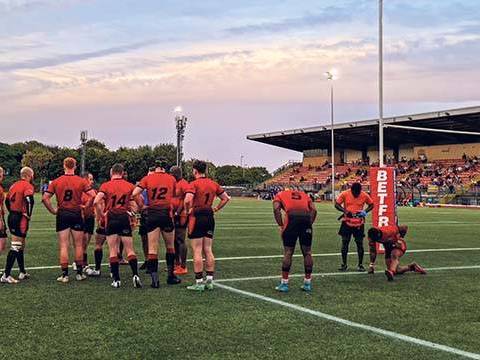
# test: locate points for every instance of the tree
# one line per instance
(38, 159)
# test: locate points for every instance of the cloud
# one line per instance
(329, 15)
(70, 58)
(15, 5)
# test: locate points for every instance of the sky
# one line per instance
(118, 68)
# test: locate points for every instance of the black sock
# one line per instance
(134, 266)
(98, 259)
(152, 265)
(345, 243)
(170, 257)
(199, 275)
(85, 259)
(79, 268)
(21, 261)
(210, 273)
(12, 255)
(114, 268)
(65, 271)
(360, 251)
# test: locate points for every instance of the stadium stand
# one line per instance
(430, 163)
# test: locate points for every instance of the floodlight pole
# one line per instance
(242, 166)
(380, 82)
(330, 78)
(333, 141)
(181, 124)
(83, 139)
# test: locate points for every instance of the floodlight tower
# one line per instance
(83, 140)
(380, 82)
(331, 76)
(242, 165)
(181, 124)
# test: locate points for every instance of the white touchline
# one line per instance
(379, 331)
(338, 274)
(337, 254)
(280, 256)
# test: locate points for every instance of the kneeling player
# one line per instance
(117, 196)
(300, 215)
(392, 239)
(19, 203)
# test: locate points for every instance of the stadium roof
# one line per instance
(363, 134)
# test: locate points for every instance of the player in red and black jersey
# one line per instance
(161, 188)
(300, 214)
(392, 239)
(100, 238)
(3, 225)
(142, 229)
(19, 202)
(199, 200)
(68, 190)
(180, 219)
(88, 213)
(115, 199)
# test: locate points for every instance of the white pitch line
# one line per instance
(259, 257)
(336, 254)
(258, 225)
(337, 274)
(378, 331)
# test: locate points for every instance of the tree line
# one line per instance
(47, 160)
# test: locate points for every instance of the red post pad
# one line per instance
(383, 193)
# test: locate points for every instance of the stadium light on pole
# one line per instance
(331, 76)
(380, 83)
(181, 124)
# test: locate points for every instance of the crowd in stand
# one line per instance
(446, 175)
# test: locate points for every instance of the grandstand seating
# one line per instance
(440, 173)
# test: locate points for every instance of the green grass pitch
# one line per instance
(42, 319)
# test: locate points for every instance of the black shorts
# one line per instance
(89, 225)
(201, 224)
(358, 232)
(118, 224)
(181, 221)
(3, 232)
(142, 229)
(159, 218)
(101, 231)
(17, 224)
(69, 219)
(297, 227)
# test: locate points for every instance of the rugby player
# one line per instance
(19, 202)
(114, 199)
(180, 220)
(88, 213)
(392, 239)
(201, 224)
(68, 190)
(142, 229)
(300, 214)
(3, 225)
(161, 188)
(100, 238)
(352, 204)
